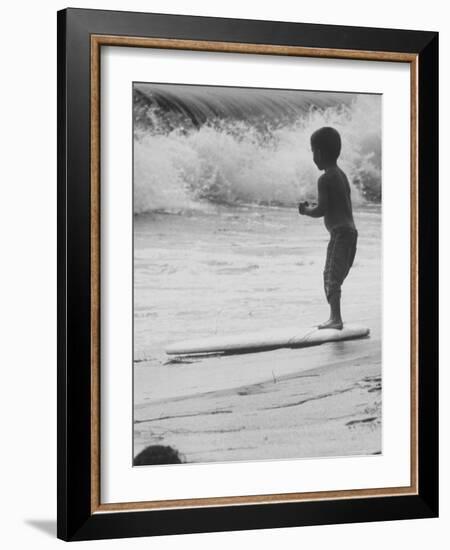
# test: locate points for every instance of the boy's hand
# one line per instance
(302, 207)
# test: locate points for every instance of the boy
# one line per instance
(335, 205)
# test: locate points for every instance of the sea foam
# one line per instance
(260, 154)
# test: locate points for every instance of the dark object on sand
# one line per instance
(157, 454)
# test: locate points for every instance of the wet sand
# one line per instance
(246, 269)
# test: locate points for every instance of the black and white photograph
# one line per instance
(257, 274)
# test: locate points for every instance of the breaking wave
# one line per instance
(194, 145)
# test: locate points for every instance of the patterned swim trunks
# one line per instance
(341, 252)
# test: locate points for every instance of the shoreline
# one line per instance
(329, 410)
(247, 270)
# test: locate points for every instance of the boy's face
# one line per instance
(317, 157)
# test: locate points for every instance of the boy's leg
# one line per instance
(332, 283)
(340, 255)
(335, 320)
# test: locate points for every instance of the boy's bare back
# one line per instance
(336, 188)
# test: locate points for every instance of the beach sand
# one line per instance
(229, 270)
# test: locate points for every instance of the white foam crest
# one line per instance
(236, 162)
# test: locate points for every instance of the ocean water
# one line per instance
(200, 146)
(240, 269)
(219, 245)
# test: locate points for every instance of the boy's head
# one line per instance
(326, 146)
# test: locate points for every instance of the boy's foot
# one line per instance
(332, 323)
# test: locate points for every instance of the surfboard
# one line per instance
(289, 337)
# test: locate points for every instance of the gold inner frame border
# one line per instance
(97, 41)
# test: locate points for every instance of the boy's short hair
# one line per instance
(328, 141)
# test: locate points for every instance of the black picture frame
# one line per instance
(77, 520)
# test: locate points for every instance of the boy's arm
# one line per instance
(321, 208)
